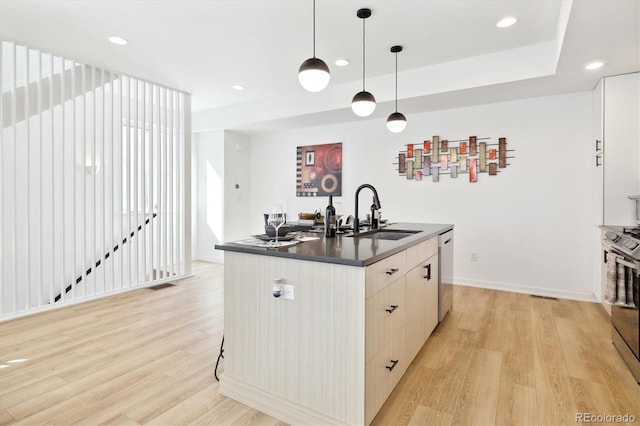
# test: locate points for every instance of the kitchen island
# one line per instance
(333, 347)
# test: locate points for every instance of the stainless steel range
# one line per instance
(622, 246)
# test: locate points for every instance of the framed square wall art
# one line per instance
(319, 170)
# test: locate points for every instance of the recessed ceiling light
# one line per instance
(118, 40)
(594, 65)
(238, 87)
(342, 62)
(506, 22)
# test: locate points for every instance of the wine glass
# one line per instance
(276, 218)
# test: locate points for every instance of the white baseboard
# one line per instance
(537, 291)
(273, 405)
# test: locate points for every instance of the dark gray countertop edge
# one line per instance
(401, 245)
(274, 252)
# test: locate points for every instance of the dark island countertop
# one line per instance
(345, 249)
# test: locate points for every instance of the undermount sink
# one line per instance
(386, 234)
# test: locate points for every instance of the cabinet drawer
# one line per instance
(422, 251)
(384, 372)
(385, 314)
(382, 273)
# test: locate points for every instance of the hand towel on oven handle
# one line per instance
(620, 283)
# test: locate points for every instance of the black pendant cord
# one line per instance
(396, 81)
(314, 28)
(221, 355)
(363, 55)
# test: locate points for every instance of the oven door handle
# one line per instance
(628, 264)
(622, 258)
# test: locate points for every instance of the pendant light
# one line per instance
(363, 103)
(396, 121)
(314, 74)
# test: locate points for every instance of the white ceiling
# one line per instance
(453, 53)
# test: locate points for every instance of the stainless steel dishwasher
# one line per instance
(445, 260)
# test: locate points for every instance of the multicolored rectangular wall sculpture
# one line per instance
(437, 157)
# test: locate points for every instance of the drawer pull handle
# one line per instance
(392, 271)
(428, 268)
(394, 362)
(392, 308)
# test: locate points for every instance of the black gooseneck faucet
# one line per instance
(356, 221)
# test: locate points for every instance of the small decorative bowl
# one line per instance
(271, 231)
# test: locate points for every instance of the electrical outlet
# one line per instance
(474, 256)
(288, 292)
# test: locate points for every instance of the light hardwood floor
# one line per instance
(147, 357)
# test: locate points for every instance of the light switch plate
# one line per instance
(288, 292)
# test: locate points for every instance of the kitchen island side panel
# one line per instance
(310, 350)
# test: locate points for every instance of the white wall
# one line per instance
(220, 161)
(530, 225)
(237, 156)
(208, 190)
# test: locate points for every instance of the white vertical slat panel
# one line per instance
(143, 238)
(83, 160)
(187, 182)
(27, 140)
(112, 243)
(74, 111)
(161, 188)
(152, 141)
(166, 184)
(104, 247)
(158, 186)
(129, 165)
(14, 110)
(158, 161)
(136, 189)
(41, 183)
(51, 184)
(179, 186)
(160, 191)
(63, 197)
(89, 289)
(116, 80)
(2, 180)
(171, 182)
(96, 185)
(119, 212)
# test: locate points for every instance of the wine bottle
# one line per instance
(330, 219)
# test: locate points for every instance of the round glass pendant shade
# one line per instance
(396, 122)
(363, 104)
(314, 75)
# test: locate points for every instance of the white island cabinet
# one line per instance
(334, 353)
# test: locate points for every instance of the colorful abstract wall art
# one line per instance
(319, 170)
(434, 158)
